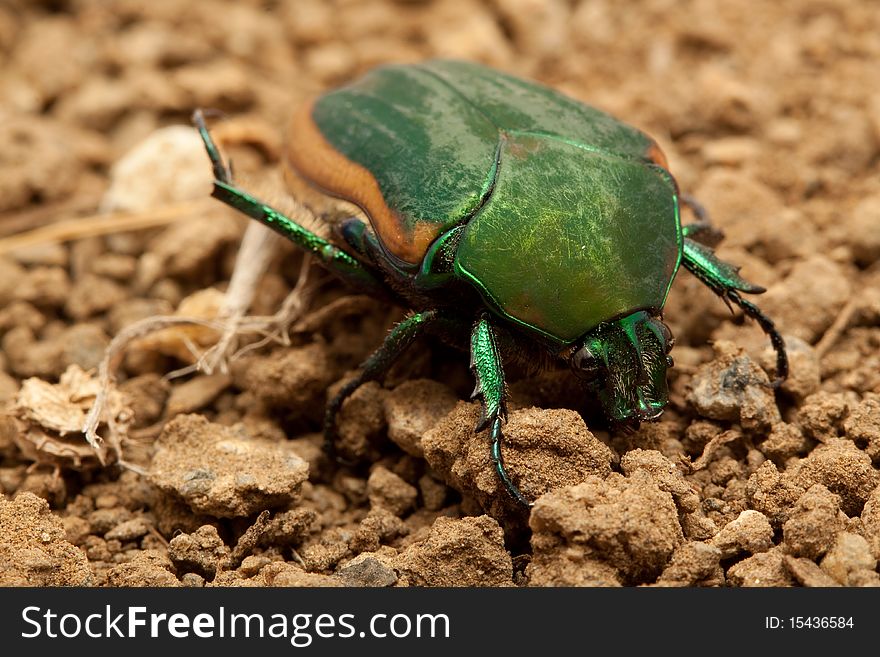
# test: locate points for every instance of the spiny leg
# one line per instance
(769, 328)
(332, 257)
(375, 368)
(489, 373)
(725, 281)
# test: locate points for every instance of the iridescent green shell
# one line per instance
(570, 216)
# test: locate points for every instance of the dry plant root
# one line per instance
(230, 324)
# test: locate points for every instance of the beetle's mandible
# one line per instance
(506, 216)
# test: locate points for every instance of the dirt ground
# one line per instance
(769, 113)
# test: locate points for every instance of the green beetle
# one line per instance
(506, 215)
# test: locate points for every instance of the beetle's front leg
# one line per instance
(725, 281)
(492, 391)
(375, 367)
(343, 264)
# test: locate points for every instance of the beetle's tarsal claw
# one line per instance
(482, 422)
(772, 332)
(729, 305)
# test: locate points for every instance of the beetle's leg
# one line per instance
(725, 281)
(492, 391)
(332, 257)
(699, 210)
(375, 368)
(222, 171)
(703, 231)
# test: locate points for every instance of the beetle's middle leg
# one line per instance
(724, 279)
(489, 373)
(331, 256)
(376, 366)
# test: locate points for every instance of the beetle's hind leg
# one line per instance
(725, 281)
(375, 368)
(492, 391)
(341, 263)
(703, 230)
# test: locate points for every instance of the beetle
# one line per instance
(504, 214)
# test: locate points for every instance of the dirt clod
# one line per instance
(34, 550)
(784, 441)
(850, 562)
(862, 426)
(388, 491)
(842, 468)
(367, 570)
(465, 552)
(762, 569)
(295, 378)
(795, 307)
(772, 493)
(147, 568)
(693, 564)
(286, 574)
(808, 573)
(412, 408)
(628, 522)
(570, 569)
(750, 532)
(665, 475)
(288, 527)
(220, 472)
(542, 450)
(379, 527)
(196, 393)
(361, 422)
(814, 522)
(129, 530)
(734, 388)
(92, 295)
(821, 415)
(164, 168)
(202, 552)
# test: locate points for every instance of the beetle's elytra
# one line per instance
(508, 217)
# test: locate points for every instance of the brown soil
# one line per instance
(769, 114)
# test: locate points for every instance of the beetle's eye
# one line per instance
(670, 362)
(585, 363)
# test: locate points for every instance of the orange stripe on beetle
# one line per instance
(315, 159)
(657, 156)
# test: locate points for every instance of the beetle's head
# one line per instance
(625, 361)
